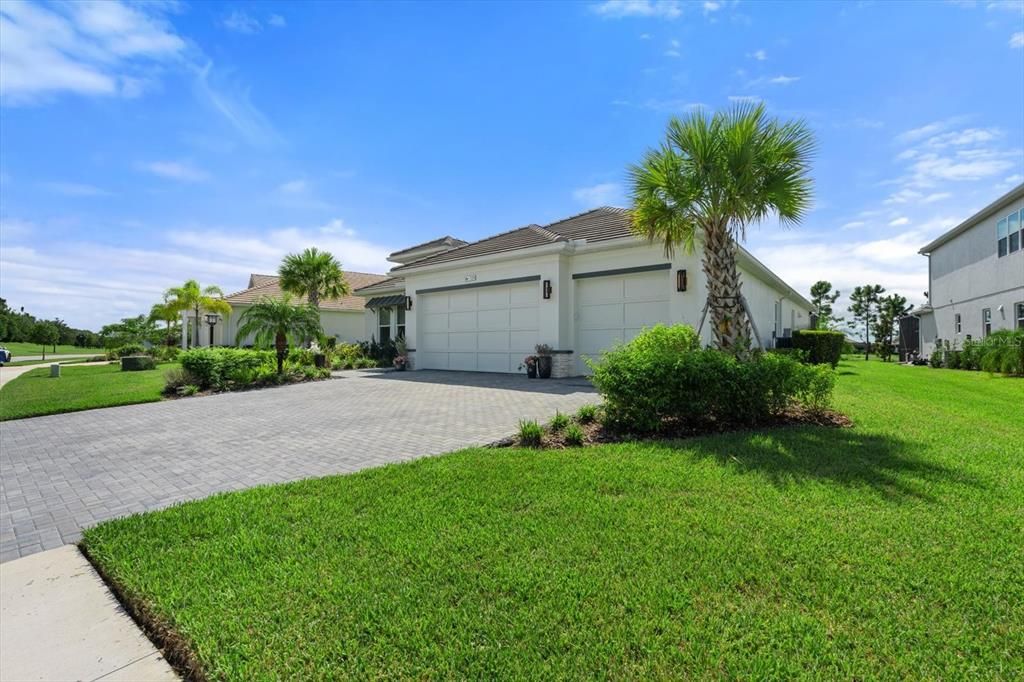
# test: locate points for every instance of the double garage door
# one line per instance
(483, 329)
(492, 328)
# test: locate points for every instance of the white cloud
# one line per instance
(241, 22)
(598, 195)
(759, 55)
(277, 21)
(617, 9)
(1017, 40)
(852, 225)
(899, 222)
(673, 49)
(175, 170)
(747, 99)
(232, 102)
(293, 187)
(927, 130)
(710, 6)
(75, 189)
(92, 284)
(776, 80)
(968, 136)
(84, 48)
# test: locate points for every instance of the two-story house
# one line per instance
(976, 276)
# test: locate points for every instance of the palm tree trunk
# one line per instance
(197, 326)
(729, 322)
(281, 342)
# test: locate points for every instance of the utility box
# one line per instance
(55, 370)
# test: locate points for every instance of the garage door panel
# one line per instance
(644, 314)
(432, 360)
(493, 341)
(462, 322)
(522, 341)
(598, 289)
(462, 341)
(435, 322)
(521, 295)
(492, 297)
(430, 305)
(492, 362)
(462, 361)
(523, 319)
(435, 341)
(600, 316)
(596, 340)
(647, 286)
(493, 319)
(462, 300)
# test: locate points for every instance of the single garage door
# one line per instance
(613, 309)
(483, 329)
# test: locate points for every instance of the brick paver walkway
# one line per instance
(61, 473)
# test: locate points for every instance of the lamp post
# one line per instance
(212, 319)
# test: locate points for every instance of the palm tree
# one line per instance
(712, 178)
(314, 274)
(191, 296)
(276, 320)
(165, 312)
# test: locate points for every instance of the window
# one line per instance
(400, 323)
(956, 320)
(1013, 225)
(1001, 237)
(384, 324)
(986, 322)
(1010, 233)
(1019, 307)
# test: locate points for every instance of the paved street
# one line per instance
(62, 473)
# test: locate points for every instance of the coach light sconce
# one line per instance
(547, 288)
(680, 280)
(408, 302)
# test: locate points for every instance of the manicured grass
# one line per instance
(20, 348)
(35, 393)
(888, 550)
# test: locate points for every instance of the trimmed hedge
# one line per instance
(822, 346)
(137, 363)
(656, 380)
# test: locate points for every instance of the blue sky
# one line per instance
(142, 144)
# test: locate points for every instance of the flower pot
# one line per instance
(531, 371)
(544, 366)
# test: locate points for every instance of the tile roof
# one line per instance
(383, 285)
(447, 240)
(269, 285)
(598, 224)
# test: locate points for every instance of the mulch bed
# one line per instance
(596, 433)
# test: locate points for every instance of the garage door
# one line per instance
(613, 309)
(483, 329)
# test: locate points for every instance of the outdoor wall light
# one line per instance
(546, 288)
(408, 302)
(680, 280)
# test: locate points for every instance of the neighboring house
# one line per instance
(343, 318)
(975, 276)
(579, 285)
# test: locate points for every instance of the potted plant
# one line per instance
(543, 360)
(530, 365)
(401, 361)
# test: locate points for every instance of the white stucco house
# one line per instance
(343, 318)
(579, 285)
(975, 276)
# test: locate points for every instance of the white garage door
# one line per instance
(614, 309)
(484, 329)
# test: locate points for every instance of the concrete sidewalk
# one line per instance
(58, 621)
(8, 373)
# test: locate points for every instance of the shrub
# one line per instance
(299, 357)
(559, 421)
(573, 435)
(127, 349)
(649, 382)
(215, 367)
(189, 389)
(137, 363)
(165, 353)
(953, 359)
(821, 346)
(530, 433)
(586, 414)
(1003, 352)
(177, 377)
(935, 359)
(970, 356)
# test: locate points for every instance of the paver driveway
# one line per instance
(62, 473)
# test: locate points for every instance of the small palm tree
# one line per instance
(191, 296)
(712, 178)
(275, 321)
(314, 274)
(165, 312)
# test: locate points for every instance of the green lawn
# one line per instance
(48, 361)
(19, 348)
(889, 550)
(79, 388)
